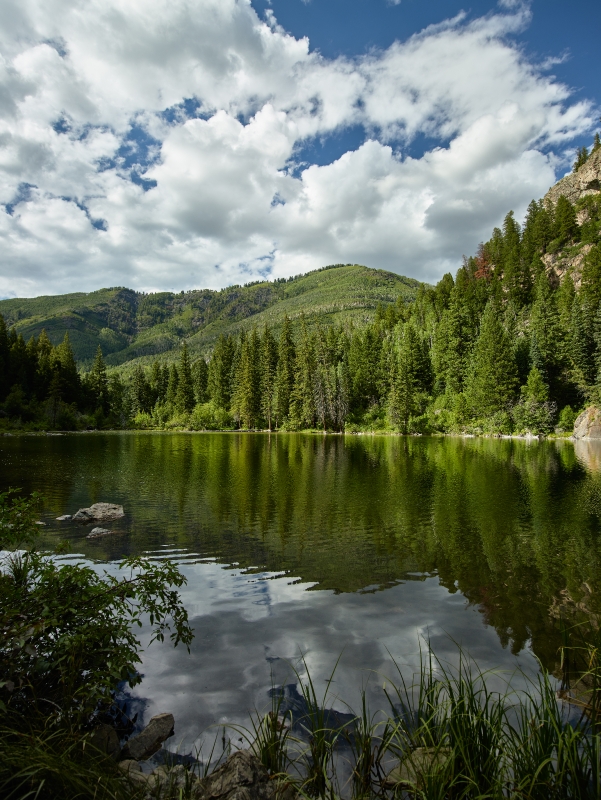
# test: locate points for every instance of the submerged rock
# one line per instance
(588, 424)
(417, 765)
(64, 518)
(96, 532)
(99, 512)
(149, 741)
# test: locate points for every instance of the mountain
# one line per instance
(134, 325)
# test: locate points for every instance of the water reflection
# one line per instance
(505, 524)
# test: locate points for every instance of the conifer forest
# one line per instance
(505, 346)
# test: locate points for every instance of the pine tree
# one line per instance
(141, 399)
(451, 346)
(65, 364)
(302, 398)
(200, 378)
(284, 379)
(406, 386)
(220, 372)
(492, 381)
(247, 401)
(98, 384)
(184, 395)
(591, 277)
(566, 226)
(171, 396)
(547, 337)
(596, 143)
(581, 158)
(269, 363)
(581, 344)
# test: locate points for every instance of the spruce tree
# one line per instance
(566, 226)
(184, 396)
(582, 345)
(406, 385)
(220, 372)
(200, 379)
(247, 401)
(98, 384)
(596, 143)
(284, 379)
(302, 398)
(268, 369)
(492, 382)
(591, 277)
(171, 396)
(581, 158)
(65, 364)
(141, 399)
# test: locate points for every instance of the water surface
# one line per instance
(364, 546)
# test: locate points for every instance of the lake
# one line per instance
(363, 547)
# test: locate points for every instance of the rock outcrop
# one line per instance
(99, 512)
(149, 741)
(578, 184)
(588, 424)
(242, 777)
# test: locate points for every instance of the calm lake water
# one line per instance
(360, 546)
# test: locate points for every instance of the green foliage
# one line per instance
(66, 631)
(492, 381)
(581, 158)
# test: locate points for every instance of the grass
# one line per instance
(445, 735)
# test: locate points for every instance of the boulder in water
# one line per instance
(99, 512)
(588, 424)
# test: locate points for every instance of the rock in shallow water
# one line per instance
(64, 518)
(96, 532)
(99, 512)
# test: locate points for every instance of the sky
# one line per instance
(181, 144)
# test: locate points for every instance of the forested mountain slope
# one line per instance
(130, 325)
(510, 344)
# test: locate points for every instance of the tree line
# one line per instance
(504, 346)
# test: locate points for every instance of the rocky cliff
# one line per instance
(579, 184)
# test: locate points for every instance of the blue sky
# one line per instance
(566, 34)
(175, 144)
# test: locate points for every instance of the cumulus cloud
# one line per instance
(159, 144)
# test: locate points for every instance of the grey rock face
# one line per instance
(146, 743)
(578, 184)
(242, 777)
(99, 512)
(588, 424)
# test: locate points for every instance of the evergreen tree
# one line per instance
(492, 381)
(66, 366)
(452, 341)
(284, 378)
(171, 396)
(141, 398)
(581, 158)
(302, 398)
(220, 372)
(98, 384)
(547, 339)
(269, 364)
(596, 143)
(406, 389)
(581, 344)
(591, 277)
(247, 401)
(184, 395)
(200, 378)
(566, 226)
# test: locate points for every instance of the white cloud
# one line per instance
(83, 82)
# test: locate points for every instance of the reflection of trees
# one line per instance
(508, 523)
